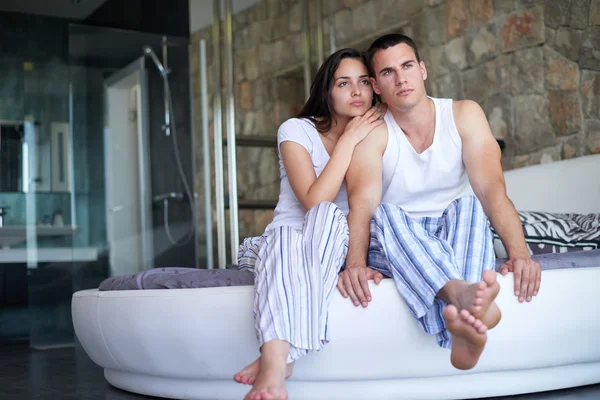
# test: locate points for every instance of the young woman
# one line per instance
(297, 260)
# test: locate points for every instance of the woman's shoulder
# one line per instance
(295, 122)
(297, 126)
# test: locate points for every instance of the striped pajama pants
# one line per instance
(423, 254)
(295, 274)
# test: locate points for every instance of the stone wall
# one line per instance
(532, 65)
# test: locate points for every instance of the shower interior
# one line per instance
(170, 129)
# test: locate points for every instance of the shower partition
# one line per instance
(224, 99)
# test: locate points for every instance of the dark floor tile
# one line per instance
(68, 373)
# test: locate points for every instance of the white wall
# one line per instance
(201, 11)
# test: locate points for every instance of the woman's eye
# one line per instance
(343, 84)
(365, 82)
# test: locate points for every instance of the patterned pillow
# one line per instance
(559, 233)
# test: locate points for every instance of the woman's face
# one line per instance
(351, 94)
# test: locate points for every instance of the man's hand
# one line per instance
(528, 275)
(353, 282)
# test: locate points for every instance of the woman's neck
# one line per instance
(338, 124)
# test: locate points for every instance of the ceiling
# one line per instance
(54, 8)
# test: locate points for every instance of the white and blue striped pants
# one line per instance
(422, 255)
(295, 274)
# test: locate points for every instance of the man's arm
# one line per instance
(481, 156)
(364, 184)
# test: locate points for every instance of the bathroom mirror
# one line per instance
(34, 158)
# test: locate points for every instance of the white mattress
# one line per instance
(188, 343)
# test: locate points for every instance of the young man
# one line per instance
(410, 187)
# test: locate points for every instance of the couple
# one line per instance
(382, 190)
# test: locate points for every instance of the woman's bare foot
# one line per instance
(270, 381)
(468, 337)
(478, 300)
(249, 373)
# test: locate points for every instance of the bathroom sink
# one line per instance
(12, 235)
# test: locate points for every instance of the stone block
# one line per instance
(482, 43)
(521, 29)
(580, 10)
(394, 12)
(344, 31)
(451, 86)
(589, 55)
(363, 19)
(557, 13)
(565, 112)
(295, 18)
(436, 61)
(481, 11)
(568, 42)
(455, 52)
(590, 93)
(573, 146)
(474, 85)
(504, 6)
(458, 17)
(499, 111)
(245, 95)
(435, 25)
(594, 18)
(533, 128)
(546, 155)
(496, 74)
(561, 73)
(592, 133)
(527, 71)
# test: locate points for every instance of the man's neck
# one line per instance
(417, 120)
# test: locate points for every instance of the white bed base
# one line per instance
(188, 343)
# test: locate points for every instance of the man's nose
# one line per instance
(400, 79)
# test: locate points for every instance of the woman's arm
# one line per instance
(311, 190)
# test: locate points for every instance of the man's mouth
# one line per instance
(404, 92)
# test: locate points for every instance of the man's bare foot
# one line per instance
(468, 337)
(269, 384)
(478, 300)
(249, 373)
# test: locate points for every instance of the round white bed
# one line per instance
(188, 343)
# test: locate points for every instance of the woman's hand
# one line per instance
(359, 127)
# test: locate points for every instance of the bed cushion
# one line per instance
(178, 278)
(556, 233)
(181, 278)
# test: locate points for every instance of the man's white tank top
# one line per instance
(425, 184)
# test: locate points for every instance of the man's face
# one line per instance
(399, 78)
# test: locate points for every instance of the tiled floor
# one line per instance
(66, 374)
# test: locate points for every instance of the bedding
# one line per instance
(182, 278)
(558, 233)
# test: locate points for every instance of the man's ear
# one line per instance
(375, 86)
(423, 69)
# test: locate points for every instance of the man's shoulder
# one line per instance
(465, 108)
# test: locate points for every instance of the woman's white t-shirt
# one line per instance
(289, 211)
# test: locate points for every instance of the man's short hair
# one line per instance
(385, 41)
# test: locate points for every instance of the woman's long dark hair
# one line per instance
(318, 104)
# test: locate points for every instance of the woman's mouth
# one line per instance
(357, 103)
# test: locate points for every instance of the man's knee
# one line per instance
(469, 203)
